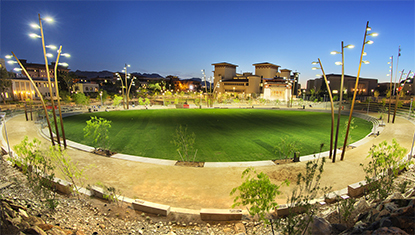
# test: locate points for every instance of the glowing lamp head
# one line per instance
(33, 35)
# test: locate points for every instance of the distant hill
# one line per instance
(105, 73)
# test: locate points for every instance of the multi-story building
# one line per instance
(21, 87)
(366, 86)
(268, 80)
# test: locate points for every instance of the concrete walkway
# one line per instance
(207, 187)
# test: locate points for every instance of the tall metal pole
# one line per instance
(40, 96)
(332, 107)
(126, 84)
(340, 107)
(396, 72)
(57, 95)
(355, 92)
(390, 90)
(399, 94)
(49, 82)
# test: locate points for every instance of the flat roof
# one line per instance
(225, 64)
(266, 64)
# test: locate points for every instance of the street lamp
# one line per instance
(126, 84)
(331, 102)
(57, 90)
(399, 93)
(39, 94)
(390, 86)
(100, 94)
(356, 85)
(47, 72)
(341, 94)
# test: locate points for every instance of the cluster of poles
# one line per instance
(333, 149)
(39, 94)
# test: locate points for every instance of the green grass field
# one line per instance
(222, 135)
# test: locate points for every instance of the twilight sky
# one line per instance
(182, 37)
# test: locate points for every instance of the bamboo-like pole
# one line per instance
(340, 107)
(332, 107)
(49, 82)
(40, 96)
(355, 93)
(399, 94)
(390, 90)
(126, 84)
(57, 95)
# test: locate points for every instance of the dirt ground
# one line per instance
(196, 188)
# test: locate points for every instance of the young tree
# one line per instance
(258, 192)
(97, 130)
(66, 80)
(80, 98)
(5, 83)
(184, 143)
(286, 147)
(116, 100)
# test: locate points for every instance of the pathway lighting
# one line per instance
(53, 47)
(8, 57)
(33, 35)
(331, 102)
(341, 94)
(356, 85)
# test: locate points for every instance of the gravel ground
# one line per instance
(93, 216)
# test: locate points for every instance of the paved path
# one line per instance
(208, 187)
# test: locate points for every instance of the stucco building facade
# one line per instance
(268, 81)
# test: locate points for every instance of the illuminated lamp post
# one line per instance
(367, 29)
(341, 95)
(399, 94)
(126, 84)
(390, 86)
(40, 96)
(122, 87)
(57, 91)
(33, 35)
(331, 102)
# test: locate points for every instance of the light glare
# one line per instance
(33, 35)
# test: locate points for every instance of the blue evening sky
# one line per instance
(182, 37)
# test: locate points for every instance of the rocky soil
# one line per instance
(23, 213)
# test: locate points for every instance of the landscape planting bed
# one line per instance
(222, 135)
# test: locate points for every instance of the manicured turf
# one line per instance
(221, 134)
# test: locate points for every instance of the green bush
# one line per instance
(382, 170)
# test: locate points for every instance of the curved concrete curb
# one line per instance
(45, 133)
(205, 214)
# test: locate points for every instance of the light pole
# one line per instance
(331, 102)
(341, 95)
(57, 91)
(367, 29)
(390, 87)
(40, 96)
(399, 94)
(396, 72)
(100, 94)
(126, 84)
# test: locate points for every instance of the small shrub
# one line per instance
(38, 170)
(184, 143)
(258, 192)
(97, 130)
(383, 168)
(286, 148)
(70, 169)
